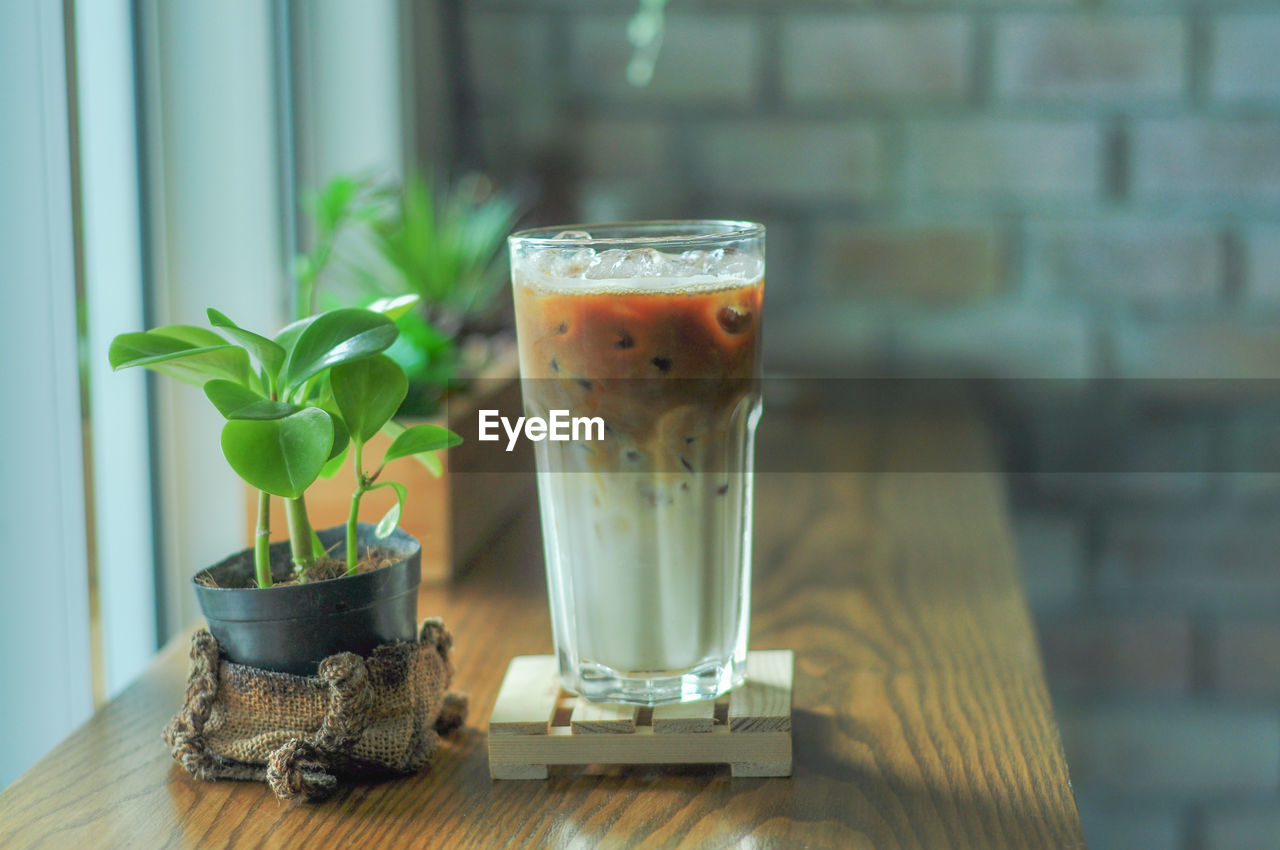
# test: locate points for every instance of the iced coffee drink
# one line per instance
(653, 331)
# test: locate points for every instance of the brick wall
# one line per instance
(1037, 188)
(1157, 617)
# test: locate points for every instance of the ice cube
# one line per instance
(619, 264)
(566, 262)
(699, 262)
(740, 268)
(572, 234)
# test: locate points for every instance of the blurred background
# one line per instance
(1031, 189)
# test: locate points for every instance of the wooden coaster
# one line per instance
(535, 724)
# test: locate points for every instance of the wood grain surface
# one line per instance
(921, 715)
(603, 718)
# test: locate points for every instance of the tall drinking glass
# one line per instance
(646, 335)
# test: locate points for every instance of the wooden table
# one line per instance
(921, 714)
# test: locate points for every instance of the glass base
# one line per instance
(598, 683)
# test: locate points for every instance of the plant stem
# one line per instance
(354, 518)
(317, 547)
(352, 550)
(262, 541)
(299, 534)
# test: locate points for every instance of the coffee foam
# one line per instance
(643, 286)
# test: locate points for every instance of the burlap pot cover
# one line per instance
(358, 716)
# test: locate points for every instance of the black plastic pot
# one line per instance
(293, 628)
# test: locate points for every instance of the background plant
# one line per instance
(295, 404)
(377, 239)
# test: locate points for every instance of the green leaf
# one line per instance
(432, 462)
(419, 439)
(269, 354)
(395, 306)
(229, 397)
(236, 402)
(341, 437)
(192, 355)
(332, 204)
(338, 336)
(281, 456)
(266, 409)
(334, 465)
(391, 518)
(368, 392)
(191, 334)
(288, 335)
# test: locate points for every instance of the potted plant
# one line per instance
(441, 249)
(294, 404)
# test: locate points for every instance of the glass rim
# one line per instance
(679, 232)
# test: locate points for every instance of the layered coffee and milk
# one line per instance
(647, 531)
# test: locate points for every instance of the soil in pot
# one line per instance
(292, 626)
(324, 569)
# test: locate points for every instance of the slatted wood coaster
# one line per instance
(535, 724)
